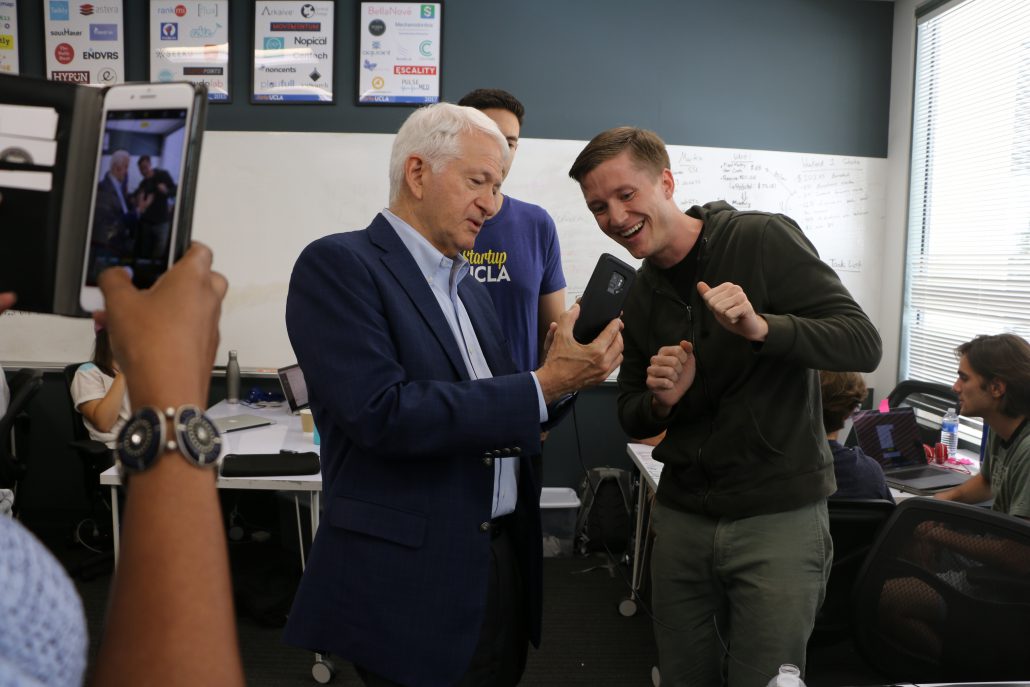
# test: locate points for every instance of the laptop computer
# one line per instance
(234, 423)
(291, 379)
(892, 440)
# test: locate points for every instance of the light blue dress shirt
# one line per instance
(443, 274)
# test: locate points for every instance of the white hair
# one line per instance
(120, 157)
(434, 133)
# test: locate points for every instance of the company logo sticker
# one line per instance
(103, 32)
(169, 31)
(425, 48)
(370, 66)
(377, 27)
(164, 75)
(295, 26)
(107, 75)
(72, 77)
(428, 11)
(274, 43)
(207, 9)
(59, 12)
(378, 82)
(86, 10)
(64, 53)
(307, 10)
(180, 10)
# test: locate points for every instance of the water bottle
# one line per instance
(789, 676)
(949, 433)
(232, 379)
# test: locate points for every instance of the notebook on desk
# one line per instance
(892, 440)
(234, 423)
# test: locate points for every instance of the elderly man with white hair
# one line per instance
(426, 570)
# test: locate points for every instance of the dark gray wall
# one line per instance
(794, 75)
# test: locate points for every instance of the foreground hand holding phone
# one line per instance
(171, 612)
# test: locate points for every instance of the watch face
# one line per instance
(139, 442)
(197, 436)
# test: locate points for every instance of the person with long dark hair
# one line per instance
(99, 393)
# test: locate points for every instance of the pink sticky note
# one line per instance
(884, 406)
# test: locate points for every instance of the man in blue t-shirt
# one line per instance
(516, 254)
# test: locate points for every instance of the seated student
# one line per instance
(98, 391)
(173, 575)
(858, 475)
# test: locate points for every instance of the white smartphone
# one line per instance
(141, 164)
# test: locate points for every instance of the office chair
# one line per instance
(854, 524)
(944, 595)
(14, 451)
(95, 457)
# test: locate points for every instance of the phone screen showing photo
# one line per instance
(137, 182)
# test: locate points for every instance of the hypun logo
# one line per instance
(64, 53)
(377, 27)
(275, 43)
(425, 48)
(428, 11)
(59, 10)
(307, 10)
(169, 31)
(86, 10)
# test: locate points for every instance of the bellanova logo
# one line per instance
(488, 266)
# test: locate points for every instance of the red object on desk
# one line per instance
(936, 454)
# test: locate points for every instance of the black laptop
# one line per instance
(893, 440)
(294, 388)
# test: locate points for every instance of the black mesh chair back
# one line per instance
(944, 595)
(14, 450)
(854, 525)
(95, 457)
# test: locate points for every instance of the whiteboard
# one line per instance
(264, 196)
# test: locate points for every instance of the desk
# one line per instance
(283, 433)
(650, 473)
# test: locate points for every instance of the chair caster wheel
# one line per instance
(323, 671)
(628, 607)
(656, 677)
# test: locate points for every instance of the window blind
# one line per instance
(968, 249)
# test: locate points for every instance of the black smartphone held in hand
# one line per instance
(142, 200)
(604, 297)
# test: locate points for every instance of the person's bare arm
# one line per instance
(171, 612)
(976, 489)
(103, 412)
(551, 306)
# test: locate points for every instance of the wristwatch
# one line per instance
(144, 439)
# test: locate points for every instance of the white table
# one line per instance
(283, 434)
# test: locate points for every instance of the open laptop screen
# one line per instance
(294, 388)
(891, 438)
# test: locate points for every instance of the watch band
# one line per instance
(145, 438)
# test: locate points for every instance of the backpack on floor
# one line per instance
(605, 518)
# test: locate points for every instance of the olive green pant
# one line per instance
(749, 586)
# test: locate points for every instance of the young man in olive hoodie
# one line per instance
(731, 314)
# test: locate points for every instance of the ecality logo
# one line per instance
(59, 10)
(428, 11)
(64, 53)
(103, 32)
(169, 31)
(274, 43)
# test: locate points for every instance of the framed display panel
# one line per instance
(9, 37)
(293, 52)
(189, 41)
(399, 53)
(84, 42)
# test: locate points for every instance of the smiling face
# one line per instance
(635, 207)
(452, 202)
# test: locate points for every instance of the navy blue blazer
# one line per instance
(396, 580)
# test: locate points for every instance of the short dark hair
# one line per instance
(646, 147)
(103, 356)
(494, 99)
(843, 392)
(142, 158)
(1006, 358)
